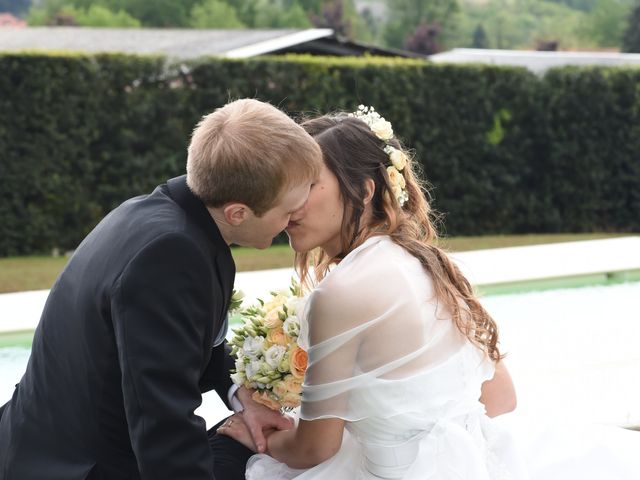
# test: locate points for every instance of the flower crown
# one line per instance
(382, 129)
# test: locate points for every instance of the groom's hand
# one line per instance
(258, 418)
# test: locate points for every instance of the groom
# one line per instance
(133, 330)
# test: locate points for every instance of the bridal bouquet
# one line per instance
(268, 358)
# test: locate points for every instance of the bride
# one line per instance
(405, 373)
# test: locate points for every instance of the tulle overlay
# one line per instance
(386, 357)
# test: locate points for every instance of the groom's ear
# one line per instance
(236, 213)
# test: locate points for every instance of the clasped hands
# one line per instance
(254, 424)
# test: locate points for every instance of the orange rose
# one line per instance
(265, 399)
(298, 362)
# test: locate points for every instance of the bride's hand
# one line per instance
(259, 419)
(236, 428)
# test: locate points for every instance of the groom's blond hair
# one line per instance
(249, 152)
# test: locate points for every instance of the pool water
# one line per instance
(13, 361)
(573, 354)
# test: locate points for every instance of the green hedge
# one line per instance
(593, 167)
(505, 150)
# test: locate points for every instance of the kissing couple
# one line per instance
(404, 370)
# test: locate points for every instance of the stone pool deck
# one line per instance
(576, 370)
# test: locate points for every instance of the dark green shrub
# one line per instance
(505, 150)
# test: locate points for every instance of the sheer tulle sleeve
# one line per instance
(371, 325)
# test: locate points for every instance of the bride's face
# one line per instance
(319, 222)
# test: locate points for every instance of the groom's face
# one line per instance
(258, 232)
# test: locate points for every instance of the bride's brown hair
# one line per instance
(353, 153)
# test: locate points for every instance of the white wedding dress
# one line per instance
(385, 356)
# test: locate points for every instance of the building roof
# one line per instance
(9, 20)
(185, 43)
(537, 62)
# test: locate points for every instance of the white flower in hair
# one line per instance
(383, 130)
(378, 125)
(398, 184)
(398, 157)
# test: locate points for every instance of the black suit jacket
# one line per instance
(123, 350)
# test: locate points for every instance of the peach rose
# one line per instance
(292, 384)
(277, 301)
(265, 399)
(279, 388)
(291, 400)
(277, 337)
(288, 385)
(298, 362)
(272, 318)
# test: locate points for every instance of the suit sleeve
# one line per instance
(161, 309)
(217, 375)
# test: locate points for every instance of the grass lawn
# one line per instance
(39, 272)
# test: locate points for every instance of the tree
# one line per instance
(215, 14)
(584, 5)
(54, 12)
(44, 13)
(156, 13)
(159, 13)
(312, 6)
(606, 23)
(518, 24)
(334, 16)
(406, 15)
(425, 39)
(280, 14)
(295, 17)
(98, 16)
(480, 39)
(16, 7)
(631, 38)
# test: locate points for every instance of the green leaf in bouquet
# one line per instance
(295, 288)
(236, 300)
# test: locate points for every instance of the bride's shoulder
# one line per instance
(377, 257)
(377, 270)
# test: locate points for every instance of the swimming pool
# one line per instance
(573, 353)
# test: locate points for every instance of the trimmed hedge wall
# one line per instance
(505, 151)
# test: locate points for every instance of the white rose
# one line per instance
(382, 129)
(238, 378)
(399, 159)
(252, 369)
(273, 356)
(295, 305)
(240, 366)
(266, 369)
(292, 326)
(252, 346)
